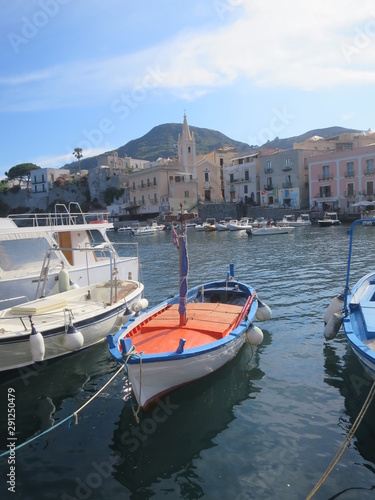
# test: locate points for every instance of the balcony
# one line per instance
(287, 185)
(349, 194)
(287, 169)
(369, 171)
(349, 174)
(268, 187)
(326, 177)
(268, 170)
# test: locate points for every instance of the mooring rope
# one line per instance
(346, 443)
(73, 415)
(133, 352)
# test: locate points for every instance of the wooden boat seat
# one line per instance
(206, 322)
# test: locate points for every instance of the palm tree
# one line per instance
(78, 154)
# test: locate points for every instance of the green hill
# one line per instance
(161, 142)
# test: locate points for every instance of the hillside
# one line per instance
(322, 132)
(161, 142)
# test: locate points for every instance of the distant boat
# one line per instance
(329, 219)
(270, 230)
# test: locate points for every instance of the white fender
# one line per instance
(140, 305)
(73, 338)
(254, 336)
(127, 315)
(64, 282)
(37, 346)
(263, 313)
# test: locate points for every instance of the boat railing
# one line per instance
(62, 216)
(104, 250)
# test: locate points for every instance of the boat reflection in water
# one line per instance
(183, 424)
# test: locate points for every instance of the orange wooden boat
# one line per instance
(188, 336)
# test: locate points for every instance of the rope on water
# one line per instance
(73, 415)
(346, 443)
(130, 353)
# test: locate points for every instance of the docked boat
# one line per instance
(243, 224)
(35, 247)
(144, 230)
(291, 221)
(69, 321)
(355, 310)
(329, 219)
(188, 336)
(270, 230)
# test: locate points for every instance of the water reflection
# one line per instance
(183, 425)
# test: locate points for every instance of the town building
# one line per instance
(42, 179)
(340, 179)
(284, 178)
(241, 179)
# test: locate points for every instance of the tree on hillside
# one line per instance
(78, 154)
(21, 172)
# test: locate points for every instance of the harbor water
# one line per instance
(265, 426)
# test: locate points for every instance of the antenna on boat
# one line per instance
(181, 219)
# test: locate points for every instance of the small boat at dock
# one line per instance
(188, 336)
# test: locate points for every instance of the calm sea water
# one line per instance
(266, 426)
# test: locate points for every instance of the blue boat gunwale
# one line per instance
(222, 285)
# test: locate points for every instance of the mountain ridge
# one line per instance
(161, 142)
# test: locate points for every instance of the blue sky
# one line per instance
(97, 74)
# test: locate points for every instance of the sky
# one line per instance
(96, 74)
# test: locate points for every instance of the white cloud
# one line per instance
(315, 45)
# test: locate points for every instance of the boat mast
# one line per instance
(181, 219)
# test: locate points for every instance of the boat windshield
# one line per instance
(19, 255)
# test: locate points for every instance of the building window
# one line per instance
(143, 199)
(247, 175)
(269, 166)
(207, 177)
(287, 162)
(325, 191)
(246, 189)
(269, 182)
(177, 178)
(134, 185)
(351, 189)
(186, 194)
(350, 169)
(155, 197)
(154, 181)
(134, 201)
(370, 188)
(325, 172)
(189, 149)
(231, 177)
(207, 195)
(370, 166)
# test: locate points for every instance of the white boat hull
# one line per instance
(264, 231)
(155, 378)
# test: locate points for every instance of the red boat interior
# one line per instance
(205, 323)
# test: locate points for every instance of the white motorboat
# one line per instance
(75, 241)
(270, 230)
(240, 225)
(290, 220)
(329, 219)
(69, 321)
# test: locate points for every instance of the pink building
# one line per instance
(340, 179)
